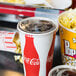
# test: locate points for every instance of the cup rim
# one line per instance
(70, 3)
(40, 18)
(61, 66)
(62, 25)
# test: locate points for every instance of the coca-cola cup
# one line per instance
(63, 70)
(37, 37)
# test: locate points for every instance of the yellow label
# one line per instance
(68, 45)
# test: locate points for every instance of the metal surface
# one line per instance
(8, 17)
(7, 29)
(57, 52)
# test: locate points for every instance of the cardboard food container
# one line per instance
(68, 38)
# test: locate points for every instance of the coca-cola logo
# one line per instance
(32, 61)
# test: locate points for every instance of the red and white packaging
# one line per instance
(37, 50)
(6, 41)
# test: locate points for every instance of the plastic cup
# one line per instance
(37, 50)
(68, 44)
(59, 70)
